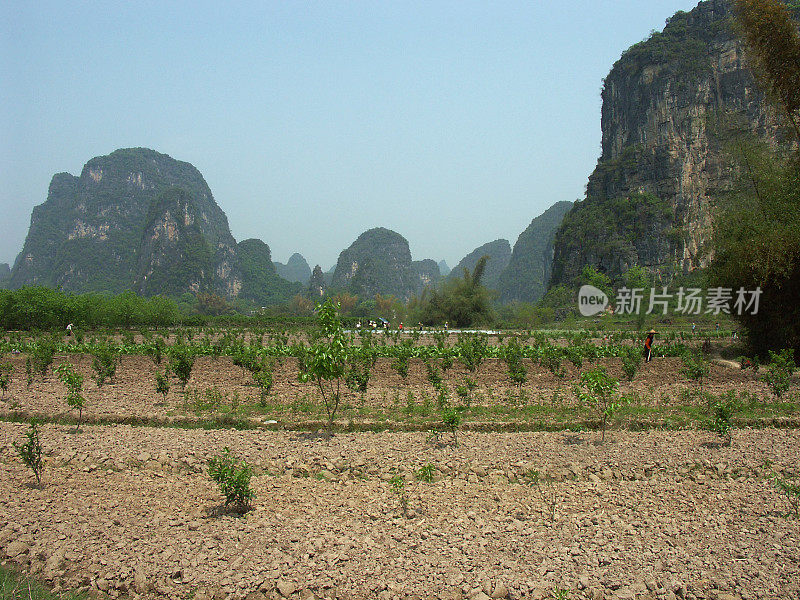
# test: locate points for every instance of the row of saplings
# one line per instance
(330, 362)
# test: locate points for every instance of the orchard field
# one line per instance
(535, 464)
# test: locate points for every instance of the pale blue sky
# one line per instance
(453, 123)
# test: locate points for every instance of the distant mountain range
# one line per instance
(137, 219)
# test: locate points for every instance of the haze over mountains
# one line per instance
(138, 219)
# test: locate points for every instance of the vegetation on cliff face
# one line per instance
(427, 272)
(658, 102)
(260, 281)
(613, 234)
(525, 277)
(5, 275)
(174, 255)
(499, 253)
(378, 262)
(86, 236)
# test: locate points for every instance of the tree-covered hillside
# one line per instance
(378, 262)
(528, 270)
(499, 253)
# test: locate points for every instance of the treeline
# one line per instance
(48, 309)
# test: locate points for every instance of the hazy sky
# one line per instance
(452, 123)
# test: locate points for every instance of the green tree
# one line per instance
(31, 452)
(773, 43)
(74, 382)
(602, 394)
(325, 361)
(461, 301)
(757, 227)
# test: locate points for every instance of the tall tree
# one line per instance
(773, 44)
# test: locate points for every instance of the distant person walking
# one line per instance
(648, 345)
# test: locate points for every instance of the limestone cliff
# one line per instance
(649, 200)
(378, 262)
(525, 277)
(427, 272)
(87, 236)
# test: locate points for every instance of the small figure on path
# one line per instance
(648, 345)
(69, 329)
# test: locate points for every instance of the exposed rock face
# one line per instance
(174, 254)
(499, 253)
(528, 270)
(317, 284)
(296, 269)
(378, 262)
(87, 235)
(428, 273)
(660, 102)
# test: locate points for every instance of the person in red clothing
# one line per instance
(648, 345)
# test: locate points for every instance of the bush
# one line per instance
(181, 361)
(162, 383)
(233, 478)
(722, 412)
(601, 393)
(42, 355)
(74, 382)
(452, 420)
(631, 359)
(104, 363)
(31, 452)
(695, 366)
(513, 355)
(779, 373)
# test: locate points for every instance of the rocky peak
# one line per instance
(661, 164)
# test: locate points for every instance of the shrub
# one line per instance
(104, 363)
(695, 366)
(181, 361)
(472, 348)
(401, 360)
(451, 420)
(601, 393)
(513, 355)
(631, 359)
(42, 355)
(358, 370)
(779, 373)
(233, 478)
(434, 375)
(6, 371)
(722, 412)
(31, 452)
(262, 376)
(74, 382)
(162, 383)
